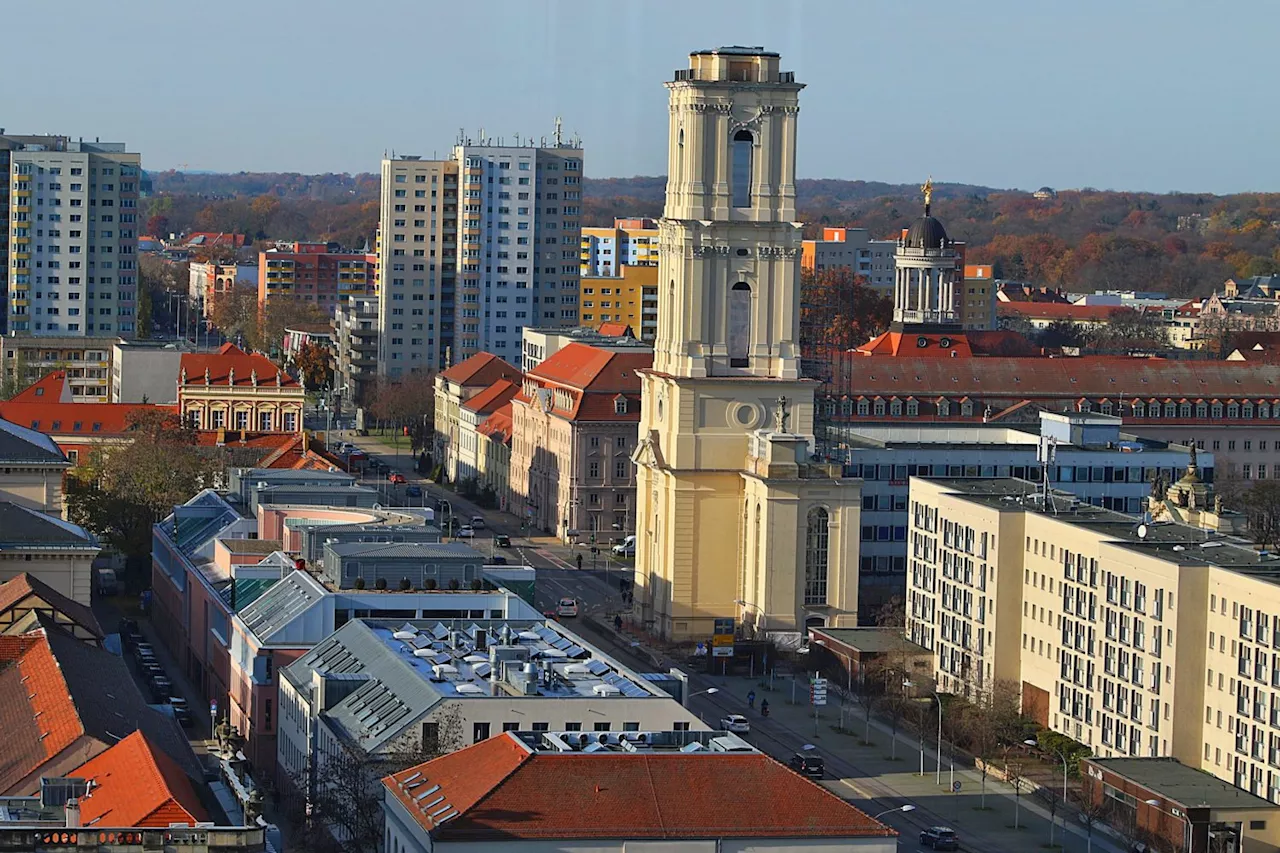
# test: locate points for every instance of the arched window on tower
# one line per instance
(815, 557)
(680, 155)
(740, 178)
(739, 341)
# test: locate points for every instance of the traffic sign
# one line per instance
(955, 787)
(818, 691)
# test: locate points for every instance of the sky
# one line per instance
(1154, 95)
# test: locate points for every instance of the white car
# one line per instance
(626, 548)
(735, 723)
(466, 531)
(567, 607)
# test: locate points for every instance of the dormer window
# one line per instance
(620, 405)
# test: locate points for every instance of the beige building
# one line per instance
(31, 469)
(207, 280)
(472, 415)
(455, 386)
(85, 361)
(494, 454)
(417, 263)
(54, 551)
(727, 421)
(234, 390)
(573, 430)
(1136, 639)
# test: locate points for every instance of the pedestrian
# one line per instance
(617, 622)
(579, 561)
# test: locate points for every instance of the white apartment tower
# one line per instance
(69, 236)
(518, 250)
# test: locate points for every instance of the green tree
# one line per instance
(314, 368)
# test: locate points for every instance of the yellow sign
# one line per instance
(722, 640)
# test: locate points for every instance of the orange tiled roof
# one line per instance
(615, 330)
(483, 368)
(1057, 310)
(24, 591)
(901, 343)
(498, 425)
(136, 784)
(228, 359)
(499, 789)
(50, 388)
(492, 398)
(37, 714)
(595, 378)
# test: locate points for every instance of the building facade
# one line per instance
(32, 467)
(630, 297)
(145, 371)
(976, 300)
(573, 430)
(235, 390)
(85, 361)
(417, 263)
(472, 415)
(853, 248)
(727, 421)
(209, 280)
(319, 274)
(70, 210)
(630, 242)
(355, 352)
(455, 386)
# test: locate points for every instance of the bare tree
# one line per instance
(344, 812)
(988, 724)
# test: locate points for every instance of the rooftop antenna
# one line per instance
(517, 140)
(558, 125)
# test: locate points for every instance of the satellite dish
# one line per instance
(1142, 531)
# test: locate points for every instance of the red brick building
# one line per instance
(317, 273)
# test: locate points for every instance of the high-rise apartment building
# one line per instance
(630, 242)
(68, 236)
(473, 249)
(417, 262)
(852, 248)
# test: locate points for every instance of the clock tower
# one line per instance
(733, 519)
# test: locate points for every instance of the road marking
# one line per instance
(856, 789)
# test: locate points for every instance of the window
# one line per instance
(620, 406)
(815, 557)
(602, 727)
(739, 324)
(743, 143)
(479, 732)
(620, 469)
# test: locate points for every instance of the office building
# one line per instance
(727, 420)
(629, 298)
(524, 790)
(1137, 636)
(853, 248)
(1089, 456)
(630, 242)
(417, 266)
(976, 300)
(319, 274)
(70, 211)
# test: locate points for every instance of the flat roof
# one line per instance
(1187, 786)
(1176, 543)
(872, 639)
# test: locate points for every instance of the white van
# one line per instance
(567, 607)
(626, 548)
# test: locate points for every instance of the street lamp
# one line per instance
(938, 778)
(1186, 820)
(1062, 755)
(907, 808)
(709, 691)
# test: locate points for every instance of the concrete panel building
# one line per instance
(853, 248)
(84, 361)
(145, 371)
(78, 201)
(630, 242)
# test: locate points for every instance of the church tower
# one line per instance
(924, 287)
(731, 522)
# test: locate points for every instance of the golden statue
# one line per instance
(927, 189)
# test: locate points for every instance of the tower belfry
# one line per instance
(726, 421)
(924, 288)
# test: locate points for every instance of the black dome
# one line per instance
(926, 233)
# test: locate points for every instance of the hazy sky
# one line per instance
(1153, 95)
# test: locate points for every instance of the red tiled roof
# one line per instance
(590, 368)
(492, 398)
(1065, 378)
(483, 368)
(1057, 311)
(615, 330)
(25, 592)
(136, 784)
(50, 388)
(499, 789)
(902, 343)
(227, 359)
(87, 419)
(498, 425)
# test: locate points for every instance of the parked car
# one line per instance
(465, 532)
(567, 607)
(413, 492)
(397, 479)
(477, 522)
(736, 723)
(808, 765)
(626, 548)
(502, 540)
(161, 689)
(497, 560)
(939, 838)
(181, 712)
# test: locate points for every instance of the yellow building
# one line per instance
(1136, 639)
(629, 298)
(732, 520)
(976, 301)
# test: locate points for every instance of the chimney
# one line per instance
(73, 813)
